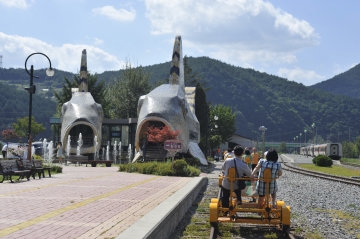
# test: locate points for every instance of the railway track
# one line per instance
(195, 223)
(288, 166)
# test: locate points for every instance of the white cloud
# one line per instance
(14, 3)
(242, 31)
(15, 50)
(299, 75)
(98, 41)
(337, 69)
(121, 14)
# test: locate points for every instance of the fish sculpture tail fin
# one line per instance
(177, 65)
(83, 86)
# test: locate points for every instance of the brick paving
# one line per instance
(82, 202)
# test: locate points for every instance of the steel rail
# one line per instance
(294, 169)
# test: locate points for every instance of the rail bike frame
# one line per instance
(268, 215)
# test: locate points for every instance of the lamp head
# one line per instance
(215, 117)
(50, 72)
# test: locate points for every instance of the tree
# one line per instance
(7, 135)
(357, 146)
(125, 91)
(22, 125)
(159, 135)
(202, 112)
(98, 91)
(226, 122)
(282, 148)
(348, 149)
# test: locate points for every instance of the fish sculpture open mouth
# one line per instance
(171, 105)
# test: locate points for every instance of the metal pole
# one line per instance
(306, 151)
(264, 143)
(30, 113)
(206, 147)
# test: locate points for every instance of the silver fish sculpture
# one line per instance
(82, 110)
(171, 105)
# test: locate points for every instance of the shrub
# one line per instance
(193, 162)
(37, 156)
(180, 167)
(323, 161)
(57, 169)
(192, 171)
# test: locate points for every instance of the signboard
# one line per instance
(173, 145)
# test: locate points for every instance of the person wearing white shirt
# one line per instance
(241, 168)
(4, 151)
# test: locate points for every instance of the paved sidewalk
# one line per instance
(82, 202)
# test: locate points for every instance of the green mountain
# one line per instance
(347, 83)
(284, 107)
(15, 104)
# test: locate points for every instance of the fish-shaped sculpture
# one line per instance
(82, 114)
(169, 105)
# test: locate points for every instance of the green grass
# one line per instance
(346, 160)
(314, 235)
(333, 170)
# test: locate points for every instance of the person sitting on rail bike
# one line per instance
(229, 154)
(270, 162)
(241, 169)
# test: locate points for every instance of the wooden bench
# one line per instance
(81, 159)
(77, 160)
(106, 162)
(38, 164)
(10, 168)
(27, 165)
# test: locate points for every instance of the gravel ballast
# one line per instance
(321, 208)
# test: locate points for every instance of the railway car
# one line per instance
(332, 150)
(311, 151)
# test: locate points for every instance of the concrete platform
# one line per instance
(89, 202)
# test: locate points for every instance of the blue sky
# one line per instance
(305, 41)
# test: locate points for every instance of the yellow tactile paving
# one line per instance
(54, 213)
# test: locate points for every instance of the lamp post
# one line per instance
(296, 141)
(315, 127)
(300, 144)
(305, 144)
(31, 89)
(263, 129)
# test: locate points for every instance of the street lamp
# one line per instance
(263, 129)
(305, 144)
(31, 89)
(300, 144)
(315, 127)
(296, 140)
